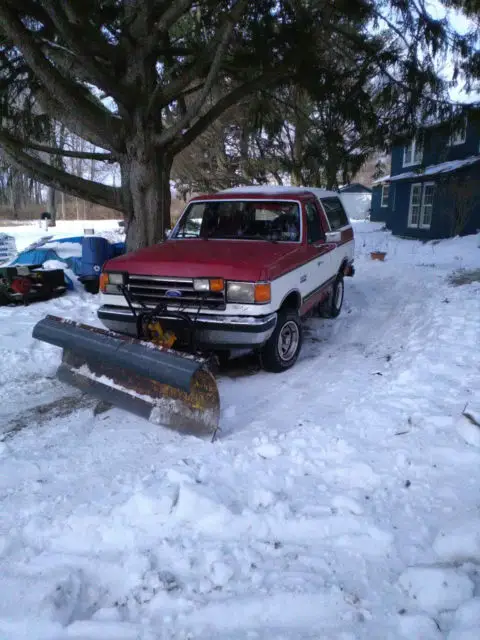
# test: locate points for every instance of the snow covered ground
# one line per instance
(341, 501)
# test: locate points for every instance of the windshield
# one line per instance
(241, 220)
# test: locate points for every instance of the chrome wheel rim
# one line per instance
(339, 294)
(288, 340)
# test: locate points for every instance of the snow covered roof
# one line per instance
(268, 189)
(355, 187)
(433, 169)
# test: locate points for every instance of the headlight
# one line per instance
(111, 282)
(201, 285)
(241, 292)
(116, 278)
(208, 284)
(249, 292)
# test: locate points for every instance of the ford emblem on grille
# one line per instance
(173, 293)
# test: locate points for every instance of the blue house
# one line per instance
(433, 190)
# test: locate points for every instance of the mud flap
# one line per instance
(163, 386)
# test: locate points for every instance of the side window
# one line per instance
(335, 213)
(314, 225)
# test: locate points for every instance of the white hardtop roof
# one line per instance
(269, 189)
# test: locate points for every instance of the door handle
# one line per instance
(303, 279)
(320, 262)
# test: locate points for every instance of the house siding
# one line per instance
(378, 213)
(437, 149)
(397, 160)
(446, 206)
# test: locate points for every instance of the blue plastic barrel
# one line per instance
(95, 252)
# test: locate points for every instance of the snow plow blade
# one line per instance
(160, 385)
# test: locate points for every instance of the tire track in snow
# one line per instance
(355, 346)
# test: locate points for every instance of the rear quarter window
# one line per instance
(335, 213)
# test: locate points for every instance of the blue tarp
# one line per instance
(87, 261)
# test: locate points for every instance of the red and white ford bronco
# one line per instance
(242, 268)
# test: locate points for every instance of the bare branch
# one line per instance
(61, 180)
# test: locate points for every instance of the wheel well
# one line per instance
(343, 265)
(292, 301)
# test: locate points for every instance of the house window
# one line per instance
(415, 205)
(413, 153)
(385, 192)
(427, 205)
(421, 205)
(459, 136)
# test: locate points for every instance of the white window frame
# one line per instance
(422, 208)
(459, 137)
(421, 212)
(410, 206)
(414, 145)
(383, 203)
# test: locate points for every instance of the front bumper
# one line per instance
(211, 331)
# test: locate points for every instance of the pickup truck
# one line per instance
(241, 268)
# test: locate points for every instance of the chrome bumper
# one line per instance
(223, 332)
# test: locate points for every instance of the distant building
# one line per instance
(357, 200)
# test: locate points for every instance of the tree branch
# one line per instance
(51, 107)
(197, 103)
(162, 96)
(102, 125)
(98, 74)
(101, 194)
(56, 151)
(175, 11)
(229, 100)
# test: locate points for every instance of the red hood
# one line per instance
(231, 260)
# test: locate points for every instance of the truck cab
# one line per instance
(240, 269)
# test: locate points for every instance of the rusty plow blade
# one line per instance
(163, 386)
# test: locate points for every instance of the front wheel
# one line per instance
(281, 350)
(333, 304)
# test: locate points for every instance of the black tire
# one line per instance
(92, 286)
(332, 306)
(288, 327)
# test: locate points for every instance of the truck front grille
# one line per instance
(152, 290)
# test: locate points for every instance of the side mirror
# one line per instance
(167, 233)
(333, 236)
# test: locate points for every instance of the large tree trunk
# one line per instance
(146, 193)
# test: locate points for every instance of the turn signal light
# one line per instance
(263, 293)
(103, 282)
(216, 284)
